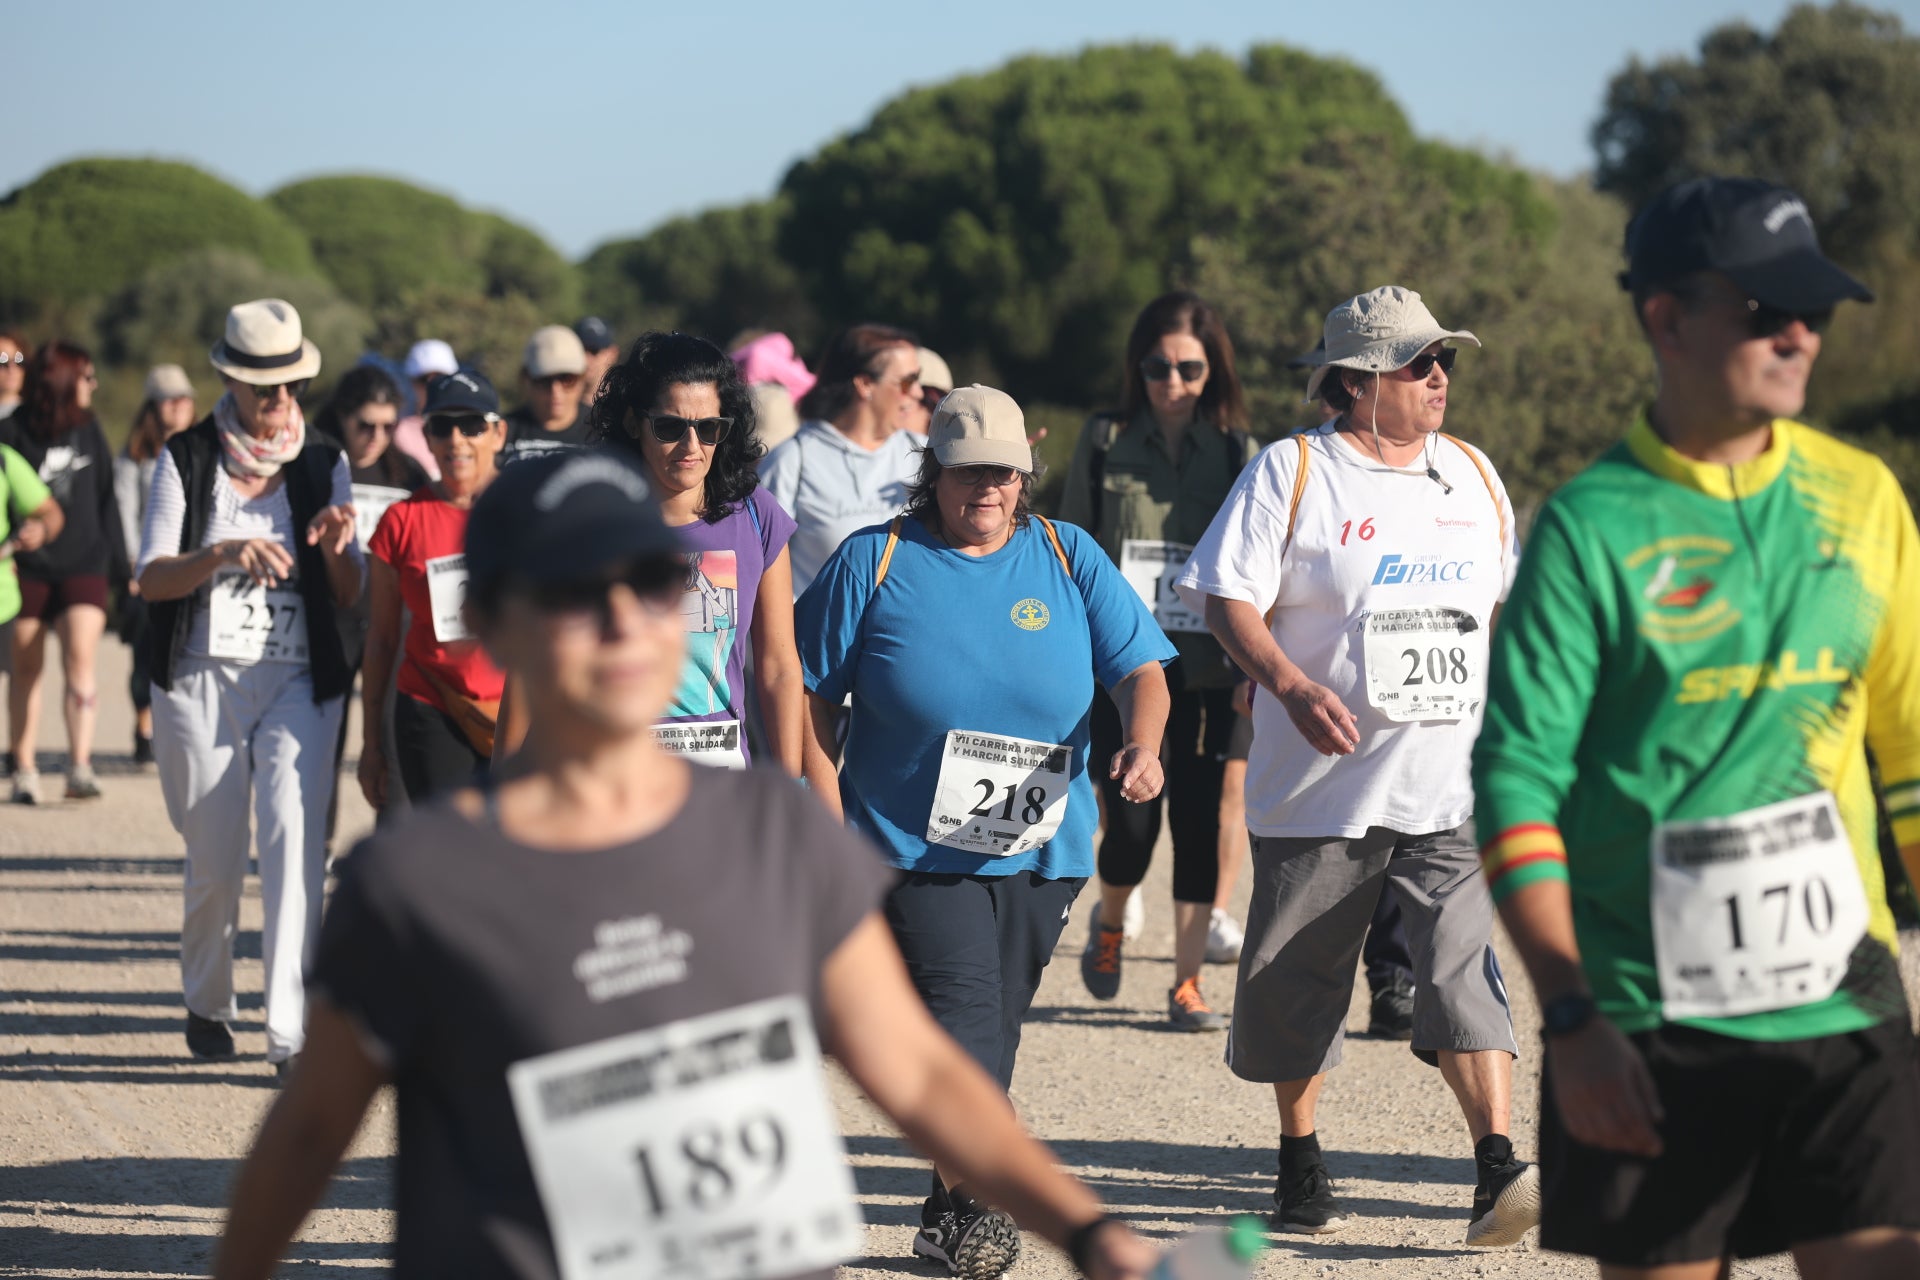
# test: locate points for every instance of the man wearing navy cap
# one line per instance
(1712, 625)
(603, 352)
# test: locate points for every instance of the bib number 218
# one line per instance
(1033, 811)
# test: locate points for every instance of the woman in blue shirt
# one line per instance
(969, 633)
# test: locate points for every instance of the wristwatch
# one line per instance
(1564, 1015)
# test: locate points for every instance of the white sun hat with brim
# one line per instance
(1381, 330)
(264, 346)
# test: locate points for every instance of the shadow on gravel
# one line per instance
(104, 948)
(87, 1068)
(87, 864)
(1068, 1015)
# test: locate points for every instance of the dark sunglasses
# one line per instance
(443, 425)
(1764, 321)
(1421, 367)
(659, 583)
(671, 428)
(361, 424)
(294, 389)
(13, 357)
(1159, 369)
(975, 476)
(565, 380)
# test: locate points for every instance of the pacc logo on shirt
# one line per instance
(1396, 570)
(1031, 615)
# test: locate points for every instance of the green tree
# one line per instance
(379, 239)
(89, 228)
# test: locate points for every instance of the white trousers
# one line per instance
(230, 738)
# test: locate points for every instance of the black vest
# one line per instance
(196, 452)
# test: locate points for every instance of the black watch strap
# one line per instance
(1564, 1015)
(1081, 1241)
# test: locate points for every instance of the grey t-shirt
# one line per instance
(833, 487)
(460, 952)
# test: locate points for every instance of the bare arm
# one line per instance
(948, 1107)
(823, 753)
(1316, 711)
(512, 721)
(1143, 703)
(42, 526)
(376, 678)
(333, 530)
(299, 1145)
(776, 667)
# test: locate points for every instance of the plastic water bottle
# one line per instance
(1219, 1253)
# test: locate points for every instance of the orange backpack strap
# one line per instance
(1486, 478)
(886, 557)
(1293, 509)
(1053, 536)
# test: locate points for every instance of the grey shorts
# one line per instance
(1312, 899)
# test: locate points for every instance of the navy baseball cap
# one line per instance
(568, 516)
(1756, 233)
(466, 391)
(594, 334)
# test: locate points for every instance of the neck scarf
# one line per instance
(246, 454)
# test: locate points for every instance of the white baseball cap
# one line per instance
(430, 356)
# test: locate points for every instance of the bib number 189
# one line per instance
(712, 1164)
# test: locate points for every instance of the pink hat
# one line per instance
(771, 359)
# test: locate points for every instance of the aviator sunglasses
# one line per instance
(1159, 369)
(671, 428)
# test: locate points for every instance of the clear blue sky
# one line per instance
(590, 121)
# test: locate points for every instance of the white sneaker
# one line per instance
(26, 787)
(1224, 939)
(1134, 919)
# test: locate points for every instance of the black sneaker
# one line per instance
(1306, 1204)
(1392, 1011)
(1505, 1204)
(974, 1242)
(207, 1038)
(142, 749)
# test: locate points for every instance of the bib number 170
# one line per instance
(1781, 911)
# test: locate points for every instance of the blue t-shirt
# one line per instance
(1002, 644)
(726, 560)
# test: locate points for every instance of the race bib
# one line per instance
(370, 502)
(709, 742)
(1150, 568)
(998, 796)
(247, 622)
(1425, 664)
(704, 1149)
(446, 592)
(1758, 911)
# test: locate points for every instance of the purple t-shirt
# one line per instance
(728, 558)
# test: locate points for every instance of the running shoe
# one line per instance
(1100, 962)
(8, 764)
(26, 787)
(207, 1038)
(82, 785)
(1392, 1013)
(1224, 939)
(1305, 1203)
(142, 749)
(1188, 1010)
(1506, 1202)
(971, 1240)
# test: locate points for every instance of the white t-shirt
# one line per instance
(1375, 553)
(832, 488)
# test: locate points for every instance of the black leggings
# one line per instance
(432, 753)
(1199, 730)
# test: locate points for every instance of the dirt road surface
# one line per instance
(117, 1151)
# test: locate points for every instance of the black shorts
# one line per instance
(1768, 1145)
(44, 601)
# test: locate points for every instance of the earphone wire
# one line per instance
(1432, 447)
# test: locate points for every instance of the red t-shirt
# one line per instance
(424, 539)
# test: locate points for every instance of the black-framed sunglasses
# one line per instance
(658, 582)
(294, 389)
(13, 357)
(975, 476)
(1159, 369)
(1763, 321)
(1421, 366)
(671, 428)
(442, 425)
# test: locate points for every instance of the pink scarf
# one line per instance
(248, 455)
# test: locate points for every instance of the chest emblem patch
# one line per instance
(1031, 615)
(1675, 579)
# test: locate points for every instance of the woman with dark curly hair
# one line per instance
(678, 404)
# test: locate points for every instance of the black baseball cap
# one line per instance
(569, 516)
(467, 391)
(1756, 233)
(594, 334)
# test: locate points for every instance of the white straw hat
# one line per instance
(1378, 331)
(264, 345)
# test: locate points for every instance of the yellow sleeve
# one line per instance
(1893, 674)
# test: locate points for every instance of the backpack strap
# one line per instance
(1053, 536)
(1108, 430)
(1293, 509)
(1486, 478)
(886, 557)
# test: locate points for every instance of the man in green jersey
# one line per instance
(1712, 625)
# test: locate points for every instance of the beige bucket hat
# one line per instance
(1378, 331)
(264, 346)
(979, 426)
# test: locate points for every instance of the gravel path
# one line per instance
(117, 1151)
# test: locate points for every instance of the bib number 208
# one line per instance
(1435, 666)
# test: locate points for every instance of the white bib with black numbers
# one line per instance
(446, 594)
(704, 1149)
(1150, 568)
(708, 742)
(370, 502)
(998, 796)
(1757, 911)
(1425, 663)
(248, 622)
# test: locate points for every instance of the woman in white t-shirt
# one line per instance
(1354, 573)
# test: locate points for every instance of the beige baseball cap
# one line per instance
(168, 382)
(1378, 331)
(979, 426)
(554, 350)
(934, 372)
